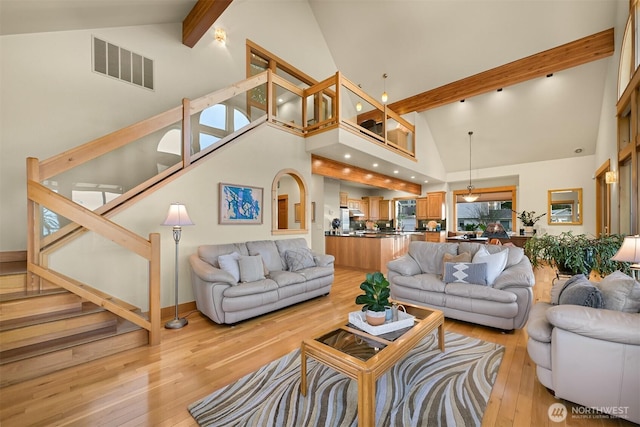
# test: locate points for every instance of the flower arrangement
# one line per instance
(528, 218)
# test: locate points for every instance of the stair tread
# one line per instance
(13, 296)
(13, 267)
(87, 308)
(14, 355)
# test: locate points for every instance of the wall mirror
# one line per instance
(564, 206)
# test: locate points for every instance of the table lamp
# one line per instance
(177, 217)
(630, 252)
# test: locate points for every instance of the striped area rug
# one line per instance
(427, 387)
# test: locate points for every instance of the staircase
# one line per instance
(51, 329)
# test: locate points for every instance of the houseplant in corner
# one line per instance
(576, 253)
(375, 299)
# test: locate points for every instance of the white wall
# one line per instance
(253, 160)
(533, 181)
(51, 101)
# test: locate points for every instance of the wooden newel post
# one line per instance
(154, 290)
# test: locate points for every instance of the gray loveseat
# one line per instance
(287, 273)
(418, 277)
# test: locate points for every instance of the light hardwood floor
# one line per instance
(152, 386)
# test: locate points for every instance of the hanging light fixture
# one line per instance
(470, 197)
(384, 96)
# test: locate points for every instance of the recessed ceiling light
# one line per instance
(426, 181)
(280, 100)
(375, 165)
(413, 177)
(395, 171)
(347, 156)
(578, 150)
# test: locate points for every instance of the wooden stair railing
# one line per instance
(38, 194)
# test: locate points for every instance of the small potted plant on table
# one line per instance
(528, 219)
(375, 299)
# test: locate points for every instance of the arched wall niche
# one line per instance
(297, 204)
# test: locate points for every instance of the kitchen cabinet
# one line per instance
(374, 207)
(421, 208)
(364, 207)
(344, 199)
(435, 203)
(354, 204)
(385, 213)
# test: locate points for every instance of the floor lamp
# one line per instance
(177, 217)
(630, 252)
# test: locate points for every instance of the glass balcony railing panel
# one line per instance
(103, 179)
(321, 107)
(211, 125)
(288, 107)
(400, 134)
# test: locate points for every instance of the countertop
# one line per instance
(379, 234)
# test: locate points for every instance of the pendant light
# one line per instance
(470, 197)
(384, 96)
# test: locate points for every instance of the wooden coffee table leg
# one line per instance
(303, 370)
(366, 399)
(441, 336)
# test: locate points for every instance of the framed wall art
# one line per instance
(240, 204)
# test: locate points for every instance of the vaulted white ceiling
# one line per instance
(421, 45)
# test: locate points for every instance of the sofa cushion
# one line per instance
(254, 289)
(479, 292)
(299, 258)
(620, 292)
(461, 257)
(269, 252)
(286, 278)
(495, 263)
(315, 272)
(229, 263)
(429, 255)
(580, 292)
(515, 255)
(251, 268)
(471, 247)
(465, 272)
(425, 282)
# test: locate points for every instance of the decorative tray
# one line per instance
(357, 319)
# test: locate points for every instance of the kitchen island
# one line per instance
(367, 251)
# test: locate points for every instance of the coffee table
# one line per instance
(364, 357)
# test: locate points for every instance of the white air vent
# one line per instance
(122, 64)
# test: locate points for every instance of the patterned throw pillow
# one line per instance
(462, 257)
(299, 258)
(465, 272)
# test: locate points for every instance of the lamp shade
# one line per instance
(629, 251)
(177, 216)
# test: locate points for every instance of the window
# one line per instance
(493, 206)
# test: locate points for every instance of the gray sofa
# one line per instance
(418, 277)
(289, 273)
(588, 355)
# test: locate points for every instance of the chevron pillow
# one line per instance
(465, 272)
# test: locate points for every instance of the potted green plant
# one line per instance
(528, 219)
(573, 254)
(375, 299)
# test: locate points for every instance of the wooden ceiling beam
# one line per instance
(342, 171)
(200, 19)
(591, 48)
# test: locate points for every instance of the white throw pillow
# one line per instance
(229, 263)
(495, 263)
(251, 268)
